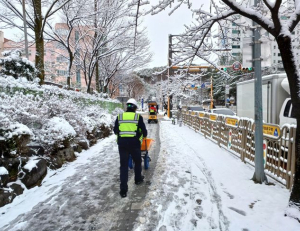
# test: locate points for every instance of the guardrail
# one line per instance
(237, 136)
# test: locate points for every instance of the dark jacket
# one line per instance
(131, 141)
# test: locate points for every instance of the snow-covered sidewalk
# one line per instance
(200, 186)
(196, 186)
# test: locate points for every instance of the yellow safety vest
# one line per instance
(128, 124)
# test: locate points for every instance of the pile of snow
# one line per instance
(3, 171)
(32, 163)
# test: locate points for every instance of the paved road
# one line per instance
(89, 199)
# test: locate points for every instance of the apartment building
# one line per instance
(55, 58)
(238, 37)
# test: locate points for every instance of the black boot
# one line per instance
(140, 181)
(123, 193)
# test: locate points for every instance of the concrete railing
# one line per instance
(237, 136)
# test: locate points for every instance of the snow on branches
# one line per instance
(13, 64)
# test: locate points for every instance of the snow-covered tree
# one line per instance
(199, 41)
(38, 12)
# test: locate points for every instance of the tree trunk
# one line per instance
(285, 47)
(97, 76)
(39, 40)
(104, 89)
(71, 56)
(295, 194)
(95, 39)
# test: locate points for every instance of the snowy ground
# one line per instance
(196, 186)
(199, 186)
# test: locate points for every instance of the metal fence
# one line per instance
(237, 135)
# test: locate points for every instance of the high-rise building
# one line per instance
(238, 37)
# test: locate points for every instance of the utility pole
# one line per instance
(169, 73)
(259, 174)
(25, 28)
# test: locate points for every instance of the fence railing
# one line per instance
(237, 135)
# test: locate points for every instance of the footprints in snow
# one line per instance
(252, 204)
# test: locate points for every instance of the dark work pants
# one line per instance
(124, 152)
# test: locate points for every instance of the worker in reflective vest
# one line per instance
(152, 109)
(130, 129)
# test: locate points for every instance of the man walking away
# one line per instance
(130, 129)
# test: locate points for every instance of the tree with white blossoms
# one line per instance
(199, 42)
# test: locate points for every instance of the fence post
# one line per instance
(292, 156)
(244, 139)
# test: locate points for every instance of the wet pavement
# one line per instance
(89, 199)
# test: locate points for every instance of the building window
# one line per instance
(62, 31)
(76, 36)
(274, 47)
(78, 76)
(236, 54)
(279, 54)
(62, 72)
(61, 59)
(274, 54)
(284, 17)
(235, 46)
(235, 31)
(234, 24)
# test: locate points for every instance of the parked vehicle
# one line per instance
(222, 111)
(195, 108)
(276, 101)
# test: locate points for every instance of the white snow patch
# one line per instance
(3, 171)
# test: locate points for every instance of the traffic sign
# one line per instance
(271, 130)
(236, 66)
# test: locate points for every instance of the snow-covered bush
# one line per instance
(12, 64)
(56, 133)
(14, 136)
(36, 107)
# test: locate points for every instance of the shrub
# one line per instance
(12, 64)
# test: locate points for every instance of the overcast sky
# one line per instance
(159, 26)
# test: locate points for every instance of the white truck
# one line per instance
(276, 101)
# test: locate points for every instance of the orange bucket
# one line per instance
(149, 143)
